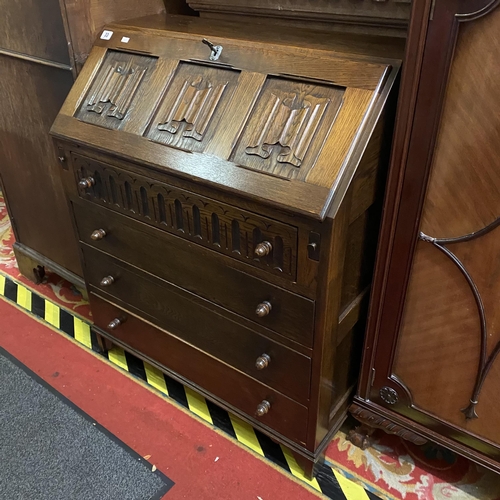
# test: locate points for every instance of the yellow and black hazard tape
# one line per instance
(327, 480)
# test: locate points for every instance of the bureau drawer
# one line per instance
(203, 325)
(257, 240)
(198, 270)
(233, 387)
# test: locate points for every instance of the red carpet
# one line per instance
(203, 465)
(393, 468)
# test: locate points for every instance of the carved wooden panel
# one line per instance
(114, 90)
(215, 225)
(287, 127)
(193, 104)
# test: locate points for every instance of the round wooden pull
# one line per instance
(263, 408)
(262, 362)
(107, 281)
(263, 248)
(115, 323)
(88, 182)
(263, 309)
(98, 234)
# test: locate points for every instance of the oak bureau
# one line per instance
(225, 185)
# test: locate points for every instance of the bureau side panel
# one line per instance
(29, 167)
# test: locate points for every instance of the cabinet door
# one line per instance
(435, 359)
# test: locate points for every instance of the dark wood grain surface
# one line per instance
(241, 391)
(35, 29)
(233, 203)
(28, 162)
(199, 271)
(202, 324)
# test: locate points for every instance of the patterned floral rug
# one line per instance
(405, 471)
(395, 469)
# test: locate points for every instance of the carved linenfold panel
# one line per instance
(287, 127)
(289, 124)
(193, 104)
(215, 225)
(114, 89)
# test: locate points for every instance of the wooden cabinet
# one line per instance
(43, 44)
(431, 367)
(382, 17)
(225, 186)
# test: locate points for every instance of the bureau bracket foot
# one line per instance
(29, 267)
(103, 343)
(306, 464)
(32, 265)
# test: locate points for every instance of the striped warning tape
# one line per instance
(327, 480)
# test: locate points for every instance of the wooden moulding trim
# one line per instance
(355, 103)
(341, 70)
(83, 82)
(360, 142)
(290, 196)
(407, 101)
(438, 431)
(50, 264)
(400, 22)
(34, 59)
(375, 421)
(485, 361)
(479, 12)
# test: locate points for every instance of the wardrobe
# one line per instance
(431, 369)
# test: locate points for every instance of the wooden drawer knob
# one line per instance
(263, 309)
(262, 362)
(263, 408)
(98, 234)
(107, 281)
(264, 248)
(87, 182)
(115, 323)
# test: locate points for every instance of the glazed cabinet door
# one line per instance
(438, 327)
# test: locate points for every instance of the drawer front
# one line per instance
(198, 270)
(235, 388)
(200, 323)
(242, 235)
